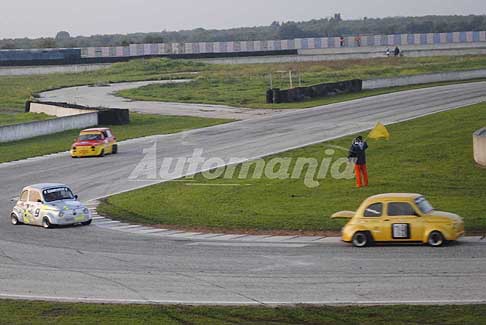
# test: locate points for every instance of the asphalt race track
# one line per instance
(104, 96)
(99, 265)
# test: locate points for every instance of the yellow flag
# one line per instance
(379, 132)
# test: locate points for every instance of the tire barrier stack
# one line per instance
(299, 94)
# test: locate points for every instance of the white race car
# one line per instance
(48, 205)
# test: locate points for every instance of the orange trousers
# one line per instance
(361, 175)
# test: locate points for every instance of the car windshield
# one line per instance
(89, 137)
(57, 194)
(424, 205)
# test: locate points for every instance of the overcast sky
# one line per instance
(36, 18)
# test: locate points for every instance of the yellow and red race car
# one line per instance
(95, 142)
(399, 218)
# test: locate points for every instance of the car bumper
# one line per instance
(70, 220)
(86, 151)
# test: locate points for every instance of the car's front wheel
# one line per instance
(46, 223)
(14, 220)
(436, 239)
(115, 149)
(86, 223)
(361, 239)
(102, 153)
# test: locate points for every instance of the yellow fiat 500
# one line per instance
(94, 143)
(400, 218)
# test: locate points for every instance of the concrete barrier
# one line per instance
(479, 139)
(35, 129)
(423, 79)
(57, 110)
(24, 71)
(358, 53)
(106, 116)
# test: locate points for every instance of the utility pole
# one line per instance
(290, 79)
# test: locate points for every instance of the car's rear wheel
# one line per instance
(114, 149)
(86, 223)
(361, 239)
(46, 223)
(14, 220)
(436, 239)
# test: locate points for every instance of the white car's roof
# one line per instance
(44, 186)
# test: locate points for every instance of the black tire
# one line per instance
(86, 223)
(46, 224)
(361, 239)
(14, 220)
(436, 239)
(115, 149)
(102, 153)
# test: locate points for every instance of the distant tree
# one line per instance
(326, 27)
(153, 39)
(46, 43)
(290, 30)
(62, 36)
(8, 45)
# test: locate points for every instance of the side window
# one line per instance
(108, 133)
(374, 210)
(24, 196)
(35, 196)
(105, 134)
(400, 209)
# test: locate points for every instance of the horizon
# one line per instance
(129, 17)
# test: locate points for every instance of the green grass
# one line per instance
(431, 155)
(15, 90)
(245, 85)
(141, 125)
(21, 312)
(10, 119)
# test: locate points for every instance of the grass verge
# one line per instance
(141, 125)
(10, 119)
(21, 312)
(15, 90)
(245, 85)
(431, 155)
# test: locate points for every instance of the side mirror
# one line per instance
(76, 197)
(40, 201)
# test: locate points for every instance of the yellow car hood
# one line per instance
(445, 215)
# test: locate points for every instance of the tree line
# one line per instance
(325, 27)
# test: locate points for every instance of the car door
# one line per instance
(373, 220)
(108, 141)
(403, 222)
(35, 206)
(111, 139)
(22, 206)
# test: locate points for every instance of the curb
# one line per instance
(110, 224)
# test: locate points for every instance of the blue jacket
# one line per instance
(359, 152)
